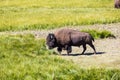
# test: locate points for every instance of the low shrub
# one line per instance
(100, 34)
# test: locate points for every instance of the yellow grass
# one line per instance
(37, 14)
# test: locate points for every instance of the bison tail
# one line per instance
(92, 38)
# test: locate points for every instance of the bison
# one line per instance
(117, 3)
(66, 38)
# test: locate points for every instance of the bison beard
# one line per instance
(66, 38)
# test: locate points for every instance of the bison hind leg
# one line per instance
(84, 48)
(92, 46)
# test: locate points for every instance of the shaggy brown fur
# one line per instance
(117, 4)
(65, 38)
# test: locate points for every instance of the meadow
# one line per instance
(23, 57)
(37, 14)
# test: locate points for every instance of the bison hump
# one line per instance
(63, 36)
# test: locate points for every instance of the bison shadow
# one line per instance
(78, 54)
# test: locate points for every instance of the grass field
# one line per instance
(37, 14)
(22, 57)
(57, 3)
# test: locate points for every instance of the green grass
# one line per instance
(24, 44)
(22, 57)
(98, 34)
(37, 14)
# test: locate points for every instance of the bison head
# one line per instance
(51, 41)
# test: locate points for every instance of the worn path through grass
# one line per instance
(108, 49)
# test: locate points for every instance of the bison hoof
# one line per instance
(68, 54)
(82, 53)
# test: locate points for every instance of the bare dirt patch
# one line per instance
(108, 50)
(108, 54)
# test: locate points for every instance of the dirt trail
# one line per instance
(114, 28)
(108, 50)
(108, 54)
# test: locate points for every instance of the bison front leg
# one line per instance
(59, 49)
